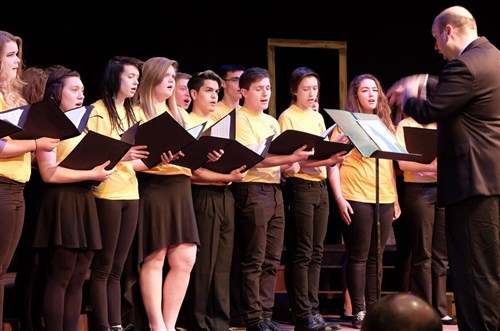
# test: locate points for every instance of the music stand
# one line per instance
(372, 139)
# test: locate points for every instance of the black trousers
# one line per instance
(428, 244)
(473, 237)
(259, 227)
(207, 302)
(306, 225)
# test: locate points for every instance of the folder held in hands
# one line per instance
(46, 119)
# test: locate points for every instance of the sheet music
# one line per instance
(256, 147)
(12, 116)
(376, 130)
(222, 128)
(196, 131)
(75, 115)
(328, 131)
(261, 147)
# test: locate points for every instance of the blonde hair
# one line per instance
(12, 88)
(153, 72)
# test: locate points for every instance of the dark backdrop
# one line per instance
(386, 40)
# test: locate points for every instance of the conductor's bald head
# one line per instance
(401, 311)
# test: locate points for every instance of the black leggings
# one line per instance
(361, 243)
(11, 224)
(62, 302)
(118, 222)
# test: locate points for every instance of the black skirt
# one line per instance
(166, 213)
(68, 218)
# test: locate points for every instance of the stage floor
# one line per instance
(346, 325)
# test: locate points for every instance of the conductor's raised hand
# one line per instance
(405, 88)
(395, 93)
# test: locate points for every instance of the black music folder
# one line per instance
(370, 136)
(95, 149)
(236, 155)
(12, 120)
(324, 149)
(196, 153)
(46, 119)
(290, 140)
(162, 134)
(129, 135)
(421, 141)
(7, 128)
(216, 137)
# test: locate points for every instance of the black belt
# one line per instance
(257, 184)
(210, 187)
(423, 184)
(311, 183)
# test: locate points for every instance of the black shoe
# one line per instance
(327, 326)
(358, 320)
(308, 323)
(345, 317)
(449, 321)
(271, 324)
(260, 326)
(130, 327)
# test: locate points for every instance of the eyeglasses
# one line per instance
(233, 80)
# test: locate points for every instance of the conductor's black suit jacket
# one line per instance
(465, 103)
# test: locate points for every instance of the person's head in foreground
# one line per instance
(401, 312)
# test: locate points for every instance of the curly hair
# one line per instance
(383, 110)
